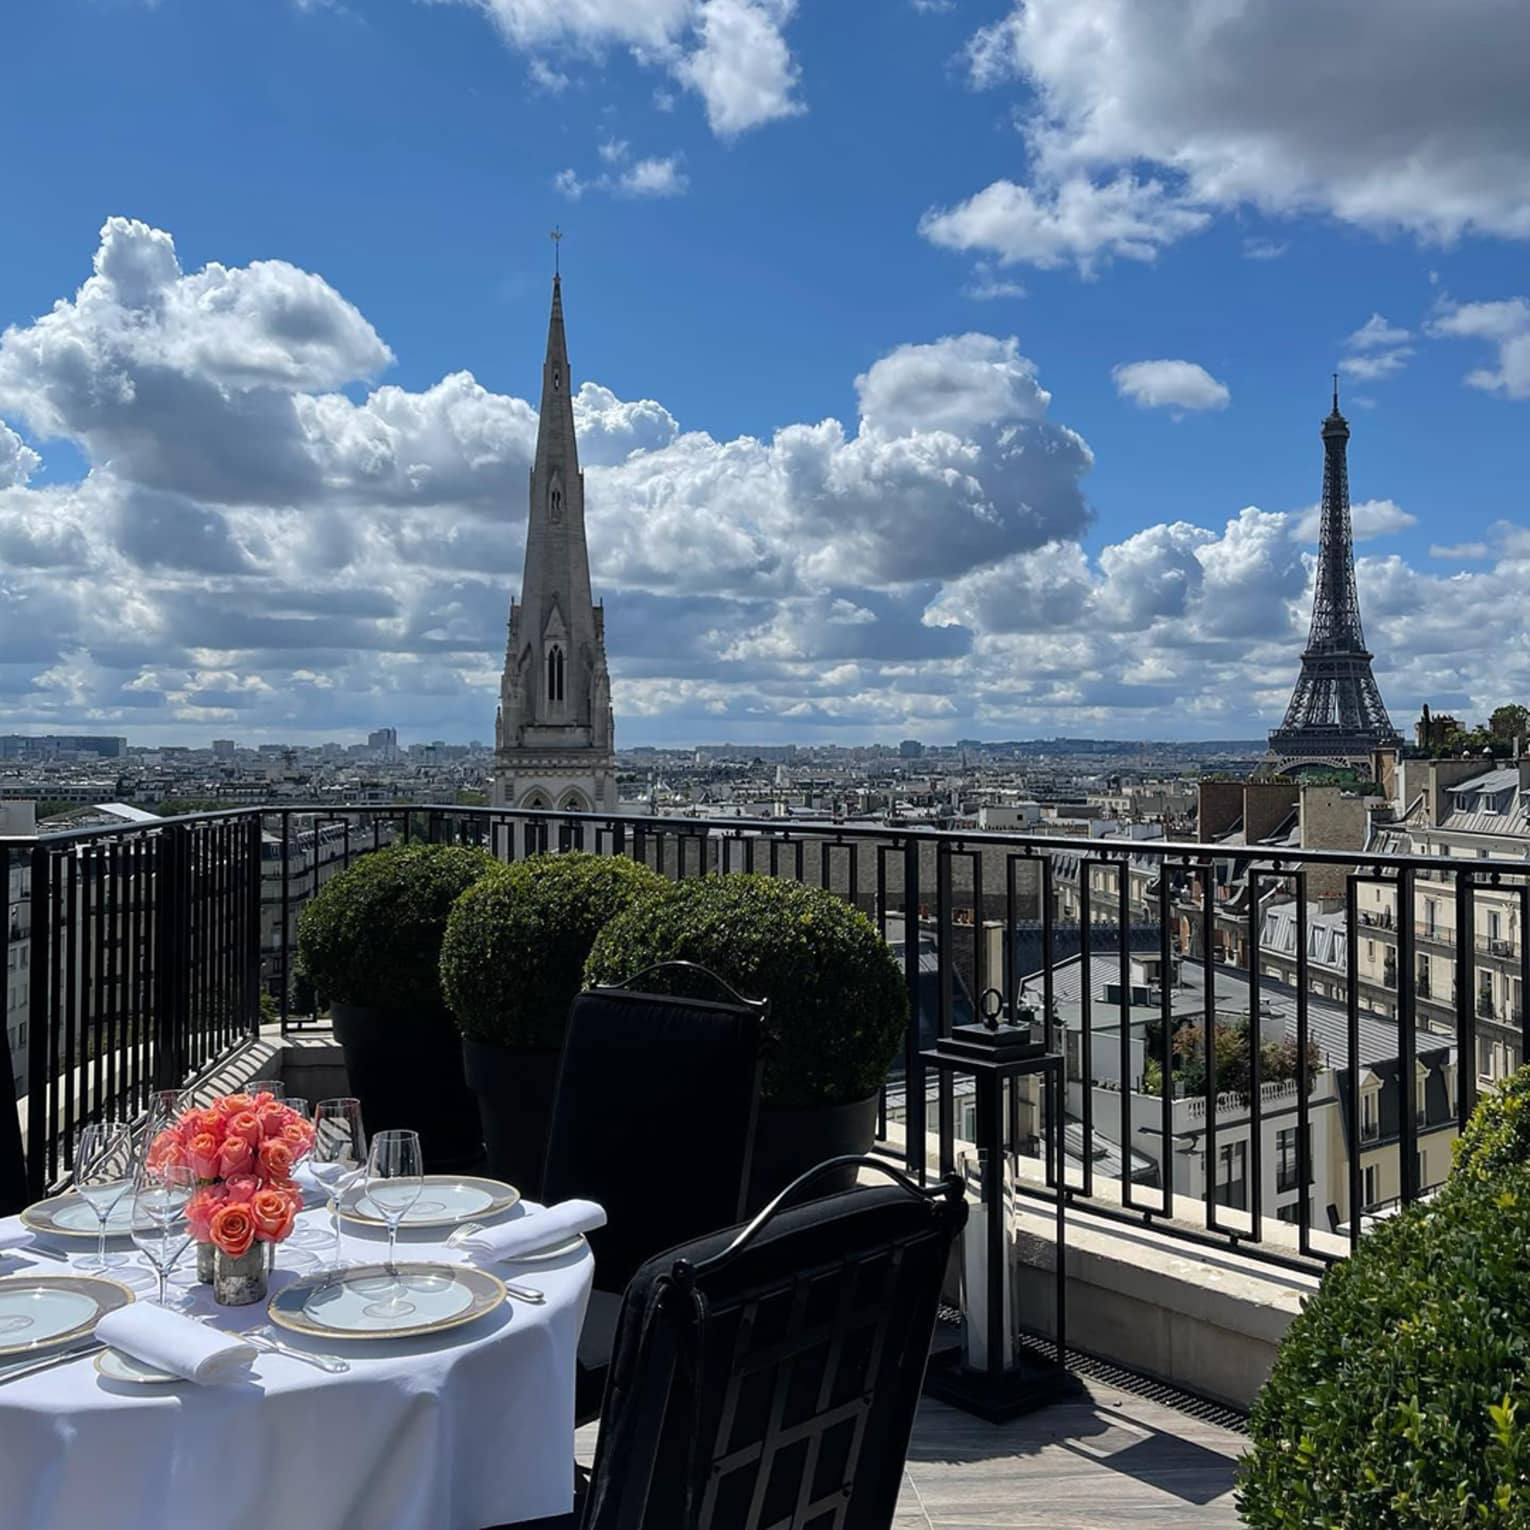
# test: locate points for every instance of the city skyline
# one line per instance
(263, 474)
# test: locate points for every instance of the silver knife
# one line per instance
(62, 1357)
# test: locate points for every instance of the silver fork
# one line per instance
(528, 1294)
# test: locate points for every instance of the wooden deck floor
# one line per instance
(1107, 1458)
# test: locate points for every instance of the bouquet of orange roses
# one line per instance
(242, 1150)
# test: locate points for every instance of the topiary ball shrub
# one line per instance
(1401, 1393)
(516, 943)
(1498, 1134)
(838, 1003)
(371, 935)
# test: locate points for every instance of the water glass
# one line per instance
(272, 1086)
(395, 1177)
(339, 1153)
(296, 1102)
(160, 1229)
(103, 1174)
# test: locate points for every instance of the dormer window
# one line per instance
(1370, 1114)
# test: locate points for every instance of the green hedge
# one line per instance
(1498, 1133)
(515, 947)
(1401, 1393)
(838, 1000)
(371, 935)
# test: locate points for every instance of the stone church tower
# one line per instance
(552, 735)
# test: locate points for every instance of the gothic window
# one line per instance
(555, 673)
(557, 378)
(557, 504)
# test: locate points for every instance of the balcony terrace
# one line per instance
(158, 953)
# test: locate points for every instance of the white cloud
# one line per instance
(1265, 249)
(1459, 552)
(1377, 350)
(653, 178)
(1288, 106)
(1075, 221)
(17, 460)
(732, 53)
(568, 184)
(1377, 334)
(1505, 324)
(1369, 518)
(1170, 384)
(742, 69)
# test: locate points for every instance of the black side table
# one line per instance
(1008, 1384)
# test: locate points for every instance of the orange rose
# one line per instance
(298, 1135)
(247, 1125)
(273, 1215)
(201, 1209)
(232, 1229)
(273, 1118)
(232, 1104)
(276, 1159)
(235, 1157)
(165, 1149)
(202, 1155)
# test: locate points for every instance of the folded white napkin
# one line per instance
(535, 1231)
(13, 1234)
(172, 1342)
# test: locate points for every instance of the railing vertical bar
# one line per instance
(92, 1064)
(1086, 1031)
(1524, 973)
(1166, 1040)
(1209, 1039)
(282, 944)
(112, 958)
(1407, 1023)
(1303, 1081)
(945, 966)
(1352, 1018)
(69, 947)
(1255, 1160)
(1124, 1019)
(913, 1064)
(42, 1163)
(1465, 1005)
(1048, 980)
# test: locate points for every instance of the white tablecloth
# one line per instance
(470, 1429)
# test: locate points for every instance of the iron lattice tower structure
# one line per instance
(1336, 712)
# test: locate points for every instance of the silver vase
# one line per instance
(238, 1282)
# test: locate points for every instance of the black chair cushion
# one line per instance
(654, 1119)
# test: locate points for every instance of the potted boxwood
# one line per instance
(511, 963)
(370, 941)
(838, 1003)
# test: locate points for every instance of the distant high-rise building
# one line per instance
(384, 742)
(910, 749)
(1336, 715)
(553, 730)
(223, 748)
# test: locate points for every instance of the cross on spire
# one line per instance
(557, 238)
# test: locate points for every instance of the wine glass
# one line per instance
(160, 1228)
(338, 1154)
(103, 1174)
(296, 1102)
(164, 1110)
(272, 1086)
(395, 1177)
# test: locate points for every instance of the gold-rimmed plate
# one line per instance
(71, 1216)
(39, 1312)
(128, 1371)
(370, 1301)
(446, 1200)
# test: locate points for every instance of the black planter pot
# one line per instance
(791, 1140)
(514, 1088)
(407, 1072)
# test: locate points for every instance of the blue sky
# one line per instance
(777, 216)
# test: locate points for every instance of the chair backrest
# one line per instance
(767, 1377)
(654, 1118)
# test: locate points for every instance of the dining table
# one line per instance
(459, 1430)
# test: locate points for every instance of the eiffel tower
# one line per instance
(1336, 715)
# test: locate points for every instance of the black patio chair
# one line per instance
(654, 1118)
(766, 1378)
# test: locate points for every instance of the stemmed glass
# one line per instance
(395, 1177)
(160, 1228)
(271, 1086)
(103, 1174)
(339, 1153)
(296, 1102)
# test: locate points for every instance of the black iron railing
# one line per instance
(151, 945)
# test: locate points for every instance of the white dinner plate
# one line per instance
(116, 1366)
(439, 1296)
(446, 1200)
(71, 1216)
(38, 1311)
(556, 1250)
